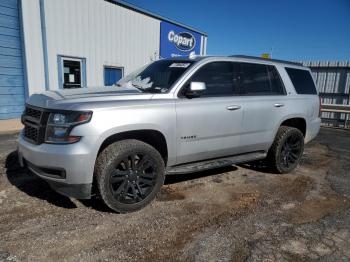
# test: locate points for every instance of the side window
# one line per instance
(277, 87)
(219, 79)
(302, 81)
(259, 79)
(254, 79)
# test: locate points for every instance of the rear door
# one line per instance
(263, 103)
(209, 126)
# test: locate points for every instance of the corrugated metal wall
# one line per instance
(103, 33)
(11, 64)
(333, 84)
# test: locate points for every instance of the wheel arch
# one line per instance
(153, 137)
(296, 122)
(292, 121)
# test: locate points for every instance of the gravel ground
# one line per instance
(239, 213)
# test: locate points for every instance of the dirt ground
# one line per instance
(239, 213)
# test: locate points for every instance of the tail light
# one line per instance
(320, 107)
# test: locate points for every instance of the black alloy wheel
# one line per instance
(129, 174)
(286, 151)
(133, 178)
(291, 151)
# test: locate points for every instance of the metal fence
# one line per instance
(333, 84)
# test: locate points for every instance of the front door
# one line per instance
(209, 126)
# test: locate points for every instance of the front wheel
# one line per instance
(286, 150)
(129, 175)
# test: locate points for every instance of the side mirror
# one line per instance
(195, 89)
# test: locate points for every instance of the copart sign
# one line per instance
(178, 41)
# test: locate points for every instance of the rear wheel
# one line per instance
(287, 150)
(129, 175)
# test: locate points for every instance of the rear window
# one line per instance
(302, 81)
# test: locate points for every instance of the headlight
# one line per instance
(59, 126)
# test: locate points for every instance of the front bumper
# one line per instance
(67, 168)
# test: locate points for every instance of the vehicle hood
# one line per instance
(73, 98)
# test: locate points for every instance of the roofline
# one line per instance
(327, 64)
(148, 13)
(267, 60)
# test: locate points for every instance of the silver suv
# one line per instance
(172, 116)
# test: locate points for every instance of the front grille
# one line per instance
(31, 133)
(34, 113)
(34, 120)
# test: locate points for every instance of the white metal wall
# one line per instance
(101, 32)
(33, 46)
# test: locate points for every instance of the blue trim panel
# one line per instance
(8, 31)
(13, 90)
(9, 11)
(9, 51)
(83, 71)
(9, 21)
(12, 93)
(11, 61)
(9, 3)
(14, 81)
(10, 41)
(59, 71)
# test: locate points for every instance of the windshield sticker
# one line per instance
(142, 83)
(180, 65)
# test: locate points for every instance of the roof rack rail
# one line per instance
(267, 59)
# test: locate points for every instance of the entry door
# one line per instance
(112, 75)
(209, 126)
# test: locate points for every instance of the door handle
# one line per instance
(278, 105)
(232, 108)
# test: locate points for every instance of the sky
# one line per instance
(289, 29)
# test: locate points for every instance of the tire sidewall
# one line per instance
(115, 154)
(286, 135)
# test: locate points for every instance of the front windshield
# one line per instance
(156, 77)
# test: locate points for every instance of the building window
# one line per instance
(112, 75)
(71, 72)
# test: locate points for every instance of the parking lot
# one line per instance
(239, 213)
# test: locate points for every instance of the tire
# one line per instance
(129, 174)
(286, 150)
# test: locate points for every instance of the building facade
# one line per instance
(51, 44)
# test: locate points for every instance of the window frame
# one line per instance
(239, 63)
(270, 82)
(189, 80)
(60, 65)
